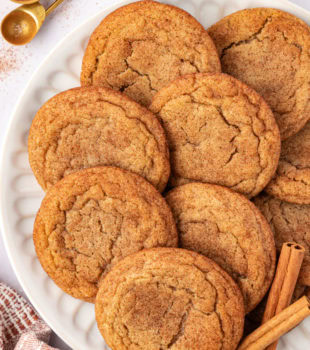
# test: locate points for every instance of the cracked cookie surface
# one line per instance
(219, 131)
(289, 223)
(143, 46)
(226, 227)
(291, 182)
(92, 219)
(95, 126)
(269, 50)
(169, 299)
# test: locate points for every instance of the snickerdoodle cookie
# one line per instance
(269, 50)
(93, 218)
(226, 227)
(169, 299)
(290, 223)
(219, 131)
(291, 182)
(141, 47)
(87, 127)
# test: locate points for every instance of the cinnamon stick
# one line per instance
(280, 324)
(284, 283)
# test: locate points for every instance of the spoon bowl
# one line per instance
(21, 25)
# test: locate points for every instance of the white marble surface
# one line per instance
(17, 64)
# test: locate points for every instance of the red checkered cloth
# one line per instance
(20, 326)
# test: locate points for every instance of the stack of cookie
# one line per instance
(156, 114)
(269, 50)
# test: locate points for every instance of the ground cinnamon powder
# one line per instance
(8, 61)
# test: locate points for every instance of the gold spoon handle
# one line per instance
(53, 6)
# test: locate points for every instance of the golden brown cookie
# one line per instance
(291, 182)
(87, 127)
(226, 227)
(219, 131)
(141, 47)
(169, 298)
(290, 223)
(92, 219)
(268, 49)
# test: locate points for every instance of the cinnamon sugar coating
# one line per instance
(291, 182)
(141, 47)
(169, 299)
(219, 131)
(93, 126)
(269, 50)
(92, 219)
(226, 227)
(289, 223)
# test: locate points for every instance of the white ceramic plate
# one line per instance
(71, 319)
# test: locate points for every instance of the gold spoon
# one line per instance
(20, 26)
